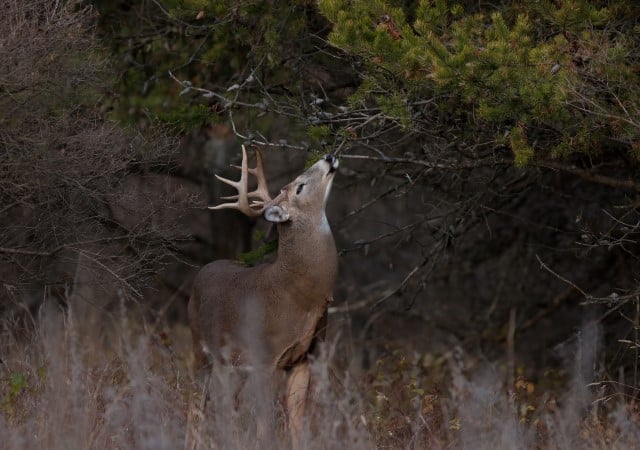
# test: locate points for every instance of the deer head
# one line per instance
(303, 199)
(281, 305)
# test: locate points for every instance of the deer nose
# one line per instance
(333, 163)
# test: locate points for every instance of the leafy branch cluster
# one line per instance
(446, 85)
(547, 79)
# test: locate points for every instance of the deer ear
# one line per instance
(276, 214)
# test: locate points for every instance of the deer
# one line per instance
(271, 315)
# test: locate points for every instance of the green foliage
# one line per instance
(313, 157)
(396, 107)
(184, 118)
(208, 43)
(257, 255)
(543, 68)
(522, 151)
(18, 384)
(319, 132)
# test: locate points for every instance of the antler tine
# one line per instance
(242, 202)
(243, 196)
(262, 190)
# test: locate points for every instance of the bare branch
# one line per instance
(590, 175)
(560, 277)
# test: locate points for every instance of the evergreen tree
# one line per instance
(547, 79)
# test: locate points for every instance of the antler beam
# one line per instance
(250, 203)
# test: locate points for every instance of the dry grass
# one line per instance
(130, 387)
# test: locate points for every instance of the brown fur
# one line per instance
(269, 315)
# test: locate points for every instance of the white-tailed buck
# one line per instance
(270, 315)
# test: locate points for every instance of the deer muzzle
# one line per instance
(333, 162)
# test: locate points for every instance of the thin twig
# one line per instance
(112, 273)
(560, 277)
(360, 244)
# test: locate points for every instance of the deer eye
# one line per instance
(299, 188)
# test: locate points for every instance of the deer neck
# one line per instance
(307, 251)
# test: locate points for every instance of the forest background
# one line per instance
(486, 212)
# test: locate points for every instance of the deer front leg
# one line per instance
(297, 392)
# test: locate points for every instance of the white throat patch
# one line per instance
(324, 224)
(327, 192)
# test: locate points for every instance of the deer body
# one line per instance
(243, 309)
(269, 315)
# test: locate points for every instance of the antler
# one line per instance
(259, 197)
